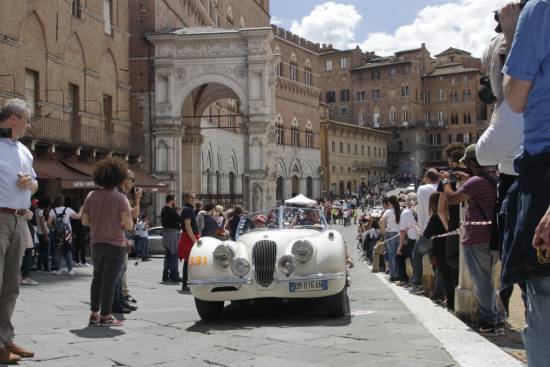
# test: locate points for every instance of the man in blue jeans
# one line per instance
(526, 86)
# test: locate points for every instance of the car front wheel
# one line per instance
(209, 310)
(336, 304)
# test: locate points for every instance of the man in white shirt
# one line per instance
(408, 234)
(17, 184)
(431, 180)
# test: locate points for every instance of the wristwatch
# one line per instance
(444, 182)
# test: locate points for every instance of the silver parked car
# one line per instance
(155, 241)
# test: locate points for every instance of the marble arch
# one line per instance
(197, 66)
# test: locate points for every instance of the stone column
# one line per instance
(191, 159)
(465, 301)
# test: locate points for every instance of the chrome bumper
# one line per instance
(242, 281)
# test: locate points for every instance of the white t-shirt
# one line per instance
(39, 213)
(423, 205)
(142, 229)
(408, 223)
(66, 218)
(391, 224)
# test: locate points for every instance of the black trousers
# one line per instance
(450, 279)
(108, 261)
(400, 260)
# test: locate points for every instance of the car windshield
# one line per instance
(283, 217)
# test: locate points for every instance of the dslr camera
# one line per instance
(498, 29)
(485, 93)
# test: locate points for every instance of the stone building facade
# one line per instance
(413, 96)
(209, 134)
(353, 157)
(69, 60)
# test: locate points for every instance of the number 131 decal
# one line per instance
(197, 260)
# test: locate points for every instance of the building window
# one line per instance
(362, 150)
(427, 118)
(376, 94)
(344, 95)
(460, 138)
(405, 92)
(406, 70)
(454, 119)
(342, 148)
(74, 103)
(108, 112)
(450, 140)
(107, 16)
(376, 118)
(375, 74)
(454, 97)
(309, 138)
(392, 115)
(440, 95)
(361, 95)
(361, 118)
(293, 71)
(307, 76)
(392, 71)
(467, 118)
(440, 116)
(343, 63)
(278, 69)
(295, 134)
(355, 149)
(368, 152)
(349, 149)
(32, 90)
(75, 8)
(330, 97)
(333, 147)
(333, 170)
(328, 65)
(405, 116)
(467, 95)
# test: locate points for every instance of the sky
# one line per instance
(387, 26)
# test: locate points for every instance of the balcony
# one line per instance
(64, 132)
(442, 124)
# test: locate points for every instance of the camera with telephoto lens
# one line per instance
(498, 29)
(485, 93)
(134, 190)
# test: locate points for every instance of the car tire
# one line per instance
(337, 304)
(209, 310)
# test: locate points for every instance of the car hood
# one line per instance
(280, 236)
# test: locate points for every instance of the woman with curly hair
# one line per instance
(107, 212)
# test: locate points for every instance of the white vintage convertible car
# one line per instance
(285, 253)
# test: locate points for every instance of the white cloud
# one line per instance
(464, 24)
(276, 20)
(467, 25)
(329, 23)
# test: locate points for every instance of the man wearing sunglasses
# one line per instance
(17, 184)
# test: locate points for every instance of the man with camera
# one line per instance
(479, 190)
(500, 144)
(17, 184)
(526, 87)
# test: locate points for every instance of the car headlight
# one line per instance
(287, 264)
(223, 255)
(302, 250)
(240, 267)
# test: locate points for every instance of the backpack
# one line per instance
(62, 234)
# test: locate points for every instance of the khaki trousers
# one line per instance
(14, 234)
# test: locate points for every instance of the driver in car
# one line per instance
(311, 218)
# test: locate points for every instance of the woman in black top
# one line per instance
(233, 223)
(448, 274)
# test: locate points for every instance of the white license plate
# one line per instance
(312, 285)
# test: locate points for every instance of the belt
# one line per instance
(16, 212)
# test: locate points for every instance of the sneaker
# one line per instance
(72, 272)
(417, 290)
(28, 281)
(77, 265)
(87, 265)
(402, 283)
(409, 286)
(58, 272)
(491, 330)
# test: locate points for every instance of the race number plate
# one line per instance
(312, 285)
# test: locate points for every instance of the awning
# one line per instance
(69, 178)
(143, 180)
(301, 200)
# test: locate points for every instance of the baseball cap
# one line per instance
(261, 218)
(469, 153)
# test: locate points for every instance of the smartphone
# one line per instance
(5, 132)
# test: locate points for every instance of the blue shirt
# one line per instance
(529, 60)
(14, 158)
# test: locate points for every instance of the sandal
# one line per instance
(94, 319)
(110, 321)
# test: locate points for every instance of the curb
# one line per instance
(466, 347)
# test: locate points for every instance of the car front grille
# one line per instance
(264, 255)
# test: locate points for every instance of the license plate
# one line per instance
(312, 285)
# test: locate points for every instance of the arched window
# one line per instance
(309, 135)
(307, 73)
(218, 183)
(280, 189)
(208, 182)
(295, 134)
(376, 117)
(295, 185)
(392, 115)
(309, 187)
(279, 130)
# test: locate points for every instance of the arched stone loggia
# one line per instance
(193, 67)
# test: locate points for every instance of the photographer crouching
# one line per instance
(17, 184)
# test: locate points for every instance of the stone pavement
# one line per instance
(51, 319)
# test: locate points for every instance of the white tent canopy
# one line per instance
(301, 200)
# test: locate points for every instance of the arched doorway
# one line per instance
(295, 185)
(280, 189)
(309, 187)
